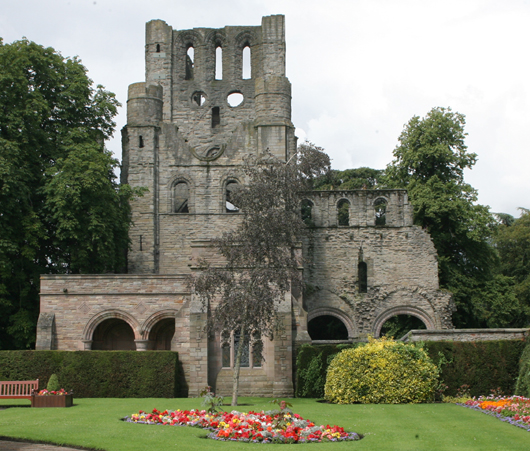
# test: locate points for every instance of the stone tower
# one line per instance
(189, 127)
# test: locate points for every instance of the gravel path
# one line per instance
(6, 445)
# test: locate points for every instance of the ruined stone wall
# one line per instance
(400, 259)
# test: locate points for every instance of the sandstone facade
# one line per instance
(190, 126)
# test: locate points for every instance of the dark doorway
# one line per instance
(162, 334)
(327, 327)
(113, 335)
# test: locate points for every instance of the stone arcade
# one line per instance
(189, 126)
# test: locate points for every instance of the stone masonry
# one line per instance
(189, 127)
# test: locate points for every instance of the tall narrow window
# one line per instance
(380, 212)
(219, 63)
(343, 212)
(306, 210)
(140, 141)
(216, 116)
(190, 58)
(231, 186)
(362, 270)
(180, 198)
(252, 352)
(158, 48)
(247, 66)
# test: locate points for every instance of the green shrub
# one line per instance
(98, 374)
(484, 366)
(522, 387)
(382, 371)
(311, 367)
(53, 383)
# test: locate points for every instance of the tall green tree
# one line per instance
(430, 160)
(61, 209)
(260, 259)
(358, 178)
(512, 241)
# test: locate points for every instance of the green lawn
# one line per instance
(94, 423)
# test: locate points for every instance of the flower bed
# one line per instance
(514, 410)
(264, 427)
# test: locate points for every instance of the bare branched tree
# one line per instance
(260, 262)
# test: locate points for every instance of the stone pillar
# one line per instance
(45, 332)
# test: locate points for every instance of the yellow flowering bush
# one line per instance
(382, 371)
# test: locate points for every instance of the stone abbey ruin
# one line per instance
(188, 129)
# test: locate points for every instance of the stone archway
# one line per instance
(158, 330)
(339, 315)
(402, 310)
(111, 330)
(113, 334)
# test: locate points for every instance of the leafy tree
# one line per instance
(513, 244)
(61, 209)
(430, 160)
(260, 259)
(359, 178)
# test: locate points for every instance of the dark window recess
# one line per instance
(344, 212)
(189, 63)
(216, 116)
(230, 187)
(180, 197)
(380, 212)
(363, 277)
(158, 48)
(141, 141)
(307, 212)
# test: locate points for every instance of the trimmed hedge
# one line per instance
(311, 367)
(483, 366)
(98, 374)
(523, 381)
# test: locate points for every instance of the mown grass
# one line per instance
(95, 423)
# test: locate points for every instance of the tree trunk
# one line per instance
(237, 365)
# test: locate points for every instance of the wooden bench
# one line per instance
(18, 389)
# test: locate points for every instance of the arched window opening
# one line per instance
(231, 186)
(306, 210)
(140, 141)
(362, 271)
(113, 335)
(181, 197)
(158, 48)
(216, 116)
(252, 352)
(399, 325)
(343, 212)
(247, 66)
(219, 63)
(161, 335)
(327, 327)
(380, 212)
(190, 58)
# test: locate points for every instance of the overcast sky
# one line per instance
(360, 69)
